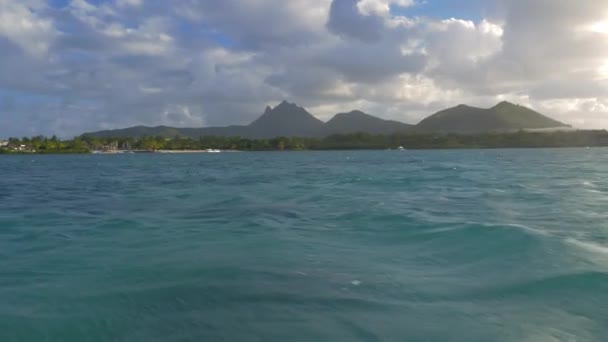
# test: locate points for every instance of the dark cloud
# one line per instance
(345, 20)
(371, 63)
(258, 24)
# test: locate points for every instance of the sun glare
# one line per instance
(600, 27)
(603, 70)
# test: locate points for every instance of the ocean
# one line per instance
(472, 245)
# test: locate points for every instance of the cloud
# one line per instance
(380, 7)
(129, 3)
(543, 37)
(20, 24)
(88, 65)
(258, 24)
(347, 21)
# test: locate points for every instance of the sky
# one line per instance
(72, 66)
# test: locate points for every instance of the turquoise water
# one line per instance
(505, 245)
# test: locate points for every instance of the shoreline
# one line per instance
(307, 150)
(163, 151)
(194, 151)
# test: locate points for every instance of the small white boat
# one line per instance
(400, 148)
(212, 150)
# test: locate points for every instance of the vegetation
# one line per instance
(362, 141)
(521, 139)
(44, 145)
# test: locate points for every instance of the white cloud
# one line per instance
(381, 7)
(95, 16)
(151, 37)
(582, 113)
(20, 24)
(455, 41)
(182, 116)
(129, 3)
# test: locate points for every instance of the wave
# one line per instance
(580, 283)
(588, 246)
(473, 226)
(525, 228)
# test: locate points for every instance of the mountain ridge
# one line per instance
(288, 119)
(504, 116)
(358, 121)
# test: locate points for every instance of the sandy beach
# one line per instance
(193, 151)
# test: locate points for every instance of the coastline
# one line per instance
(162, 151)
(194, 151)
(360, 141)
(311, 150)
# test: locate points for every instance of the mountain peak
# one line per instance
(284, 104)
(505, 104)
(285, 109)
(286, 119)
(353, 113)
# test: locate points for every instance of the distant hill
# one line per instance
(357, 121)
(168, 132)
(137, 132)
(503, 117)
(287, 119)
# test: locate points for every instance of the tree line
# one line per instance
(356, 141)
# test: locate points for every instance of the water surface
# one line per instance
(504, 245)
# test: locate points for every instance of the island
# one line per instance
(289, 127)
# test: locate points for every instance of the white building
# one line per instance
(3, 143)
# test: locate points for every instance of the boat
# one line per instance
(400, 148)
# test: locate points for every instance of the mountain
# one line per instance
(289, 120)
(504, 116)
(286, 119)
(357, 121)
